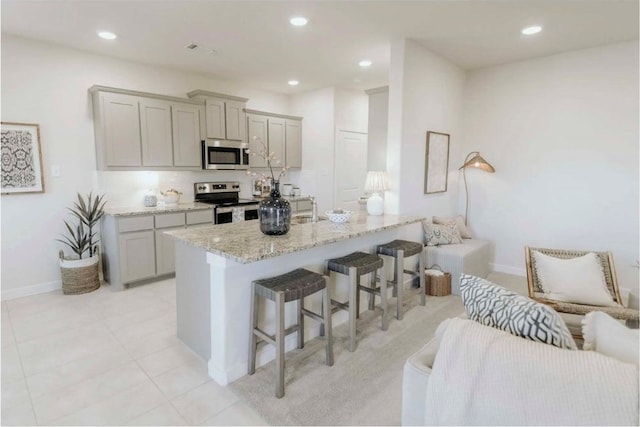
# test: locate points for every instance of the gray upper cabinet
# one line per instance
(118, 128)
(293, 138)
(276, 130)
(257, 126)
(281, 134)
(225, 115)
(234, 120)
(216, 127)
(143, 131)
(187, 149)
(155, 132)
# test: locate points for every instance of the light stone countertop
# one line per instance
(243, 242)
(289, 198)
(142, 210)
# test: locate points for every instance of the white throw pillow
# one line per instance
(459, 220)
(605, 335)
(579, 280)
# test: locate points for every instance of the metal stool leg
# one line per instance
(326, 314)
(422, 266)
(400, 283)
(280, 345)
(357, 297)
(372, 296)
(353, 291)
(253, 340)
(300, 323)
(327, 274)
(383, 297)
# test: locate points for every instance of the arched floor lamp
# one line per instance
(473, 160)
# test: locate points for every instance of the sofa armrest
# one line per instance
(415, 378)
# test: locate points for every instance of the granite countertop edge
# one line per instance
(339, 235)
(143, 210)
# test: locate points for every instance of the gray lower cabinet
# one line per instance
(136, 256)
(301, 205)
(135, 248)
(165, 252)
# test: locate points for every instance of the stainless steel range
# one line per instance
(227, 205)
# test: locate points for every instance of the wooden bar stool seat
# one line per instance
(401, 249)
(292, 286)
(356, 265)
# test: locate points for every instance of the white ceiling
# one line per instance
(256, 45)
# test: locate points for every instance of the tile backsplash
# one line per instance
(123, 189)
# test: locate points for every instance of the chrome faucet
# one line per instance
(314, 210)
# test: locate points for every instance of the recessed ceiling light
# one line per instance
(365, 63)
(531, 30)
(298, 21)
(293, 82)
(107, 35)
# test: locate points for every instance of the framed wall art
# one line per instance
(21, 158)
(436, 163)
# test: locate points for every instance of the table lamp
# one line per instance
(376, 183)
(473, 160)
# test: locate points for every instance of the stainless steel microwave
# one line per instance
(222, 155)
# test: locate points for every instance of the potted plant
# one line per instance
(80, 272)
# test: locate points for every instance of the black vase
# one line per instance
(274, 213)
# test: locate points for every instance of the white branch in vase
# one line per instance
(271, 157)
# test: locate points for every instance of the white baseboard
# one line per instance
(25, 291)
(501, 268)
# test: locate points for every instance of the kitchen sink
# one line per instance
(303, 219)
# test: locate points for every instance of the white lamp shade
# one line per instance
(377, 182)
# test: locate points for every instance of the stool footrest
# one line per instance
(312, 315)
(264, 336)
(337, 305)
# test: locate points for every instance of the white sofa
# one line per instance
(620, 404)
(472, 256)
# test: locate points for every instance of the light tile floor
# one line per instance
(107, 358)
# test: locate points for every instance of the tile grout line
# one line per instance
(89, 377)
(24, 376)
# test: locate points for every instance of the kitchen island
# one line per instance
(215, 266)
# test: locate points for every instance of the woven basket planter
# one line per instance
(79, 276)
(438, 286)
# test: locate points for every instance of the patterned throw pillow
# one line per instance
(459, 220)
(441, 234)
(495, 306)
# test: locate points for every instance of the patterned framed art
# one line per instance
(436, 163)
(21, 158)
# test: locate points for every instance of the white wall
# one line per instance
(425, 94)
(316, 176)
(562, 133)
(351, 110)
(378, 128)
(326, 111)
(47, 84)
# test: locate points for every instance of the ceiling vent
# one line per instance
(195, 47)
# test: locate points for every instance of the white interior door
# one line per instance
(350, 169)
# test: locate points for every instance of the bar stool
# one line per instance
(400, 249)
(356, 265)
(294, 285)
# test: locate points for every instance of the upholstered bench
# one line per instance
(472, 256)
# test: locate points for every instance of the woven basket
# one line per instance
(438, 286)
(79, 276)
